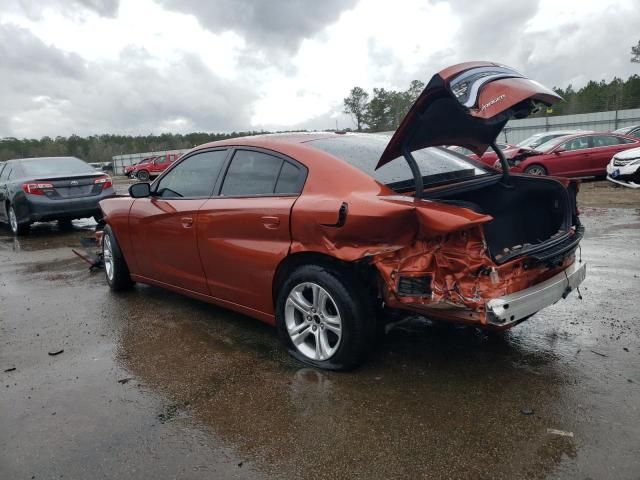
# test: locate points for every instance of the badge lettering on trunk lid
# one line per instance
(492, 102)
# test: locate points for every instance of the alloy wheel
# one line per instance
(108, 257)
(13, 220)
(313, 321)
(535, 171)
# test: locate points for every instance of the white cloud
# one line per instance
(141, 66)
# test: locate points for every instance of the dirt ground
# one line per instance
(149, 384)
(608, 195)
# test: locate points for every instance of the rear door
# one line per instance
(163, 226)
(604, 148)
(572, 158)
(243, 232)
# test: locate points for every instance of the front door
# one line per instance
(244, 231)
(163, 226)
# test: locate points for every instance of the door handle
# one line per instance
(271, 222)
(187, 222)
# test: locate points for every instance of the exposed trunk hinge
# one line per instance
(415, 169)
(503, 162)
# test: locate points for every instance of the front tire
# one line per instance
(324, 319)
(17, 228)
(115, 267)
(538, 170)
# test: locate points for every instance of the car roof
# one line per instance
(43, 158)
(272, 139)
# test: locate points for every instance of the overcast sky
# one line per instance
(153, 66)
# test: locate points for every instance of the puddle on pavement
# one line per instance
(433, 400)
(426, 385)
(46, 236)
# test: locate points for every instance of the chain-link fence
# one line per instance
(518, 130)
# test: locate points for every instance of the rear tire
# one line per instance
(538, 170)
(143, 176)
(115, 267)
(17, 228)
(324, 318)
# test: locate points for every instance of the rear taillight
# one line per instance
(105, 181)
(35, 188)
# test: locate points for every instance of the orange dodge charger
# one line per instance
(319, 234)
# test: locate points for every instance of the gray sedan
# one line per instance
(50, 188)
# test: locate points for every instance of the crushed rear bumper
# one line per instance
(513, 308)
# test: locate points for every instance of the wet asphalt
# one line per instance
(154, 385)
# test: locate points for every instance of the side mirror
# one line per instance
(140, 190)
(559, 150)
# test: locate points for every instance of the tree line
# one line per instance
(100, 148)
(384, 109)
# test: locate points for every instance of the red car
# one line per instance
(572, 156)
(320, 233)
(153, 166)
(128, 170)
(529, 143)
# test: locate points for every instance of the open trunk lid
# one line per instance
(466, 105)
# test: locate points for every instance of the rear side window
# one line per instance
(6, 173)
(291, 179)
(606, 140)
(251, 173)
(194, 177)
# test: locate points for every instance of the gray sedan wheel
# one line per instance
(16, 227)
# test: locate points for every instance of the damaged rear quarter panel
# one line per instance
(404, 236)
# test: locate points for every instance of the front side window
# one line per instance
(251, 173)
(194, 177)
(579, 143)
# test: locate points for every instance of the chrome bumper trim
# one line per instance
(514, 307)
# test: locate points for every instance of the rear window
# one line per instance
(364, 151)
(38, 167)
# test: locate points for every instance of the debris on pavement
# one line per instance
(527, 411)
(598, 353)
(124, 380)
(562, 433)
(11, 369)
(56, 352)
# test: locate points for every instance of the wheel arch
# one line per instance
(360, 268)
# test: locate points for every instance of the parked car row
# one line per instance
(571, 154)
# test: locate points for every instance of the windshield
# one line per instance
(55, 166)
(363, 152)
(550, 144)
(538, 139)
(625, 130)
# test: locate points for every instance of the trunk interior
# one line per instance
(527, 212)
